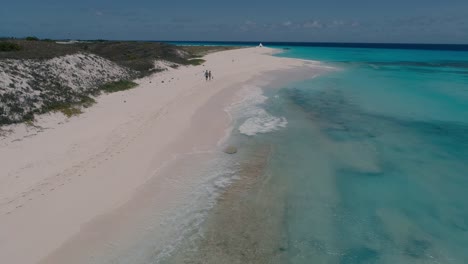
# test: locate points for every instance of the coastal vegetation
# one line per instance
(196, 61)
(9, 46)
(32, 38)
(200, 51)
(70, 108)
(42, 76)
(135, 55)
(117, 86)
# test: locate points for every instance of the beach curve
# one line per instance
(68, 188)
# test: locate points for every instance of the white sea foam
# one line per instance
(181, 224)
(257, 119)
(262, 123)
(250, 99)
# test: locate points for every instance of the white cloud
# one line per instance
(250, 23)
(337, 23)
(312, 24)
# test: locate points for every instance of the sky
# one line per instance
(376, 21)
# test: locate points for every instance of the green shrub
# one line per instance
(196, 61)
(9, 46)
(70, 111)
(87, 101)
(69, 107)
(117, 86)
(29, 117)
(32, 38)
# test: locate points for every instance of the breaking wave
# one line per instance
(255, 119)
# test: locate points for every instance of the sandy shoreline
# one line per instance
(62, 186)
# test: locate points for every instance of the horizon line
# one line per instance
(247, 41)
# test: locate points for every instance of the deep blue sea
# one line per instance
(368, 163)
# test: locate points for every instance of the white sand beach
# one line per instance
(68, 181)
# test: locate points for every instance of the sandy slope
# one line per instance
(55, 180)
(32, 84)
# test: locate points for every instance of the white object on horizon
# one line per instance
(261, 45)
(71, 42)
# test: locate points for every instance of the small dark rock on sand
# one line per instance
(230, 150)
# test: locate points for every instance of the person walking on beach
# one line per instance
(206, 75)
(209, 75)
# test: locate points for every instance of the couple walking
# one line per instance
(208, 75)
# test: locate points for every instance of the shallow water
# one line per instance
(364, 164)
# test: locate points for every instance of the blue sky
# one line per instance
(403, 21)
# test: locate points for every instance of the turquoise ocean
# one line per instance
(365, 163)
